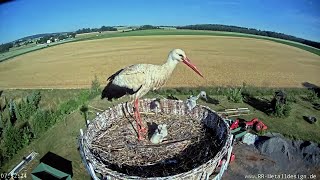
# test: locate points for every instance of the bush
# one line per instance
(25, 110)
(26, 136)
(312, 96)
(234, 95)
(41, 121)
(34, 98)
(282, 110)
(68, 107)
(1, 123)
(12, 141)
(28, 106)
(291, 98)
(95, 86)
(84, 111)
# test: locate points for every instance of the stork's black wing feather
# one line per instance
(131, 78)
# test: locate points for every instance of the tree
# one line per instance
(144, 27)
(95, 86)
(12, 110)
(107, 28)
(5, 47)
(219, 27)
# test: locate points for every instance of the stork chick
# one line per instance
(137, 80)
(192, 100)
(159, 135)
(155, 106)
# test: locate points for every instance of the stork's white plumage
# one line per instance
(137, 80)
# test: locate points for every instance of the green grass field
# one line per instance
(14, 53)
(63, 136)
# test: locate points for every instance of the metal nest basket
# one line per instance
(204, 115)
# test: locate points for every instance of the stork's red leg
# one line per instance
(142, 128)
(137, 119)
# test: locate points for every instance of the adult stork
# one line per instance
(137, 80)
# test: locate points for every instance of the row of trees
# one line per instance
(103, 28)
(219, 27)
(5, 47)
(15, 129)
(22, 121)
(55, 37)
(144, 27)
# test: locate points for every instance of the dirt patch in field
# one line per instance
(224, 61)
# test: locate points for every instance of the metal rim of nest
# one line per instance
(175, 107)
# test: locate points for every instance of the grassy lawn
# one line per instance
(62, 137)
(91, 36)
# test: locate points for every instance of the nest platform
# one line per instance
(197, 140)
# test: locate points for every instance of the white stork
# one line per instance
(137, 80)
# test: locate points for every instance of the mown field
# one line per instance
(224, 61)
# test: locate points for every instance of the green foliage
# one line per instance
(235, 95)
(84, 111)
(1, 124)
(28, 106)
(26, 110)
(41, 121)
(68, 107)
(291, 98)
(5, 47)
(12, 110)
(144, 27)
(85, 96)
(12, 141)
(5, 116)
(312, 96)
(95, 86)
(219, 27)
(107, 28)
(26, 136)
(34, 98)
(282, 110)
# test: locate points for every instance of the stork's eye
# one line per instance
(180, 55)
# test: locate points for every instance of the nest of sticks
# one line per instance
(189, 144)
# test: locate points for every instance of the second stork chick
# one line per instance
(192, 100)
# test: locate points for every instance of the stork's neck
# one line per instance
(198, 96)
(170, 64)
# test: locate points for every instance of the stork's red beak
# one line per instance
(193, 67)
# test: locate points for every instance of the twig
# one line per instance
(167, 143)
(96, 108)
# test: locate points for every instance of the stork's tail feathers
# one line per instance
(112, 91)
